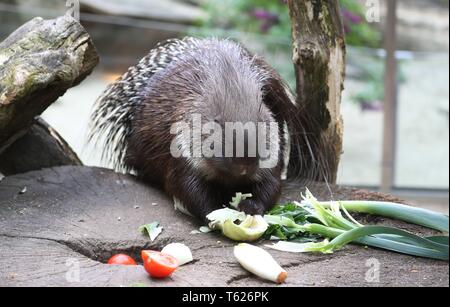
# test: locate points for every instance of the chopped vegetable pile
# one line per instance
(306, 226)
(309, 226)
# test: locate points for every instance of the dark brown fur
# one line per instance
(169, 99)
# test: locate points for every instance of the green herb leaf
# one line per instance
(152, 230)
(292, 211)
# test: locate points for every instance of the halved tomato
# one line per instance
(159, 265)
(145, 254)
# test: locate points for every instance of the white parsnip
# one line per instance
(259, 262)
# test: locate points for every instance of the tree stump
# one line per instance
(56, 221)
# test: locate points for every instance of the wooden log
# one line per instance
(41, 147)
(38, 63)
(319, 59)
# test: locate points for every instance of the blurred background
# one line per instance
(124, 31)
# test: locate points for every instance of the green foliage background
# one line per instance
(232, 18)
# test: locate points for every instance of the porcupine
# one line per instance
(222, 82)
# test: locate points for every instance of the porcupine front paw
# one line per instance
(252, 207)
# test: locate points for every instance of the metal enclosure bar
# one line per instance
(390, 100)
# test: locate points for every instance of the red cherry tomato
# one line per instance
(121, 259)
(160, 265)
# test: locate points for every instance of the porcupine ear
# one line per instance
(302, 152)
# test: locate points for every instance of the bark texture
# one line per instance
(319, 59)
(38, 63)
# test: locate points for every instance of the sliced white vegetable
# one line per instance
(237, 225)
(259, 262)
(179, 251)
(218, 217)
(251, 229)
(205, 229)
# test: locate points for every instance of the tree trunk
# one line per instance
(319, 59)
(38, 63)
